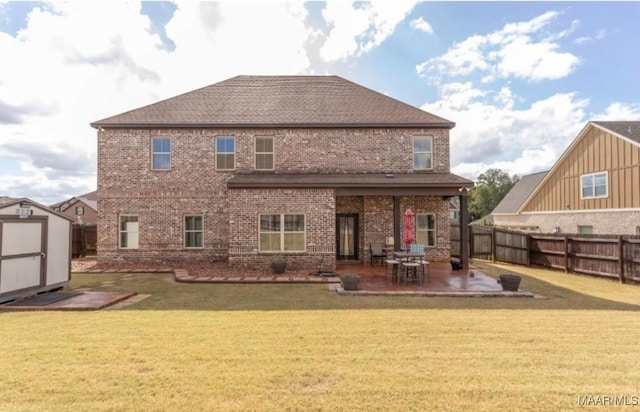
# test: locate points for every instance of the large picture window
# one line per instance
(594, 185)
(282, 233)
(193, 230)
(422, 152)
(129, 231)
(264, 153)
(426, 229)
(161, 153)
(225, 153)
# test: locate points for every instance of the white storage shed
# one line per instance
(35, 248)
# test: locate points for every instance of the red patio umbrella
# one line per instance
(408, 222)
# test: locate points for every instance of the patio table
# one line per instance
(408, 256)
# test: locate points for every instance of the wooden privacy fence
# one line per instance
(83, 239)
(610, 256)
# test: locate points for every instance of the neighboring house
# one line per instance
(593, 188)
(506, 213)
(82, 209)
(312, 167)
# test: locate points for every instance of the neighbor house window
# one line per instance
(422, 152)
(264, 153)
(282, 233)
(193, 231)
(225, 153)
(161, 153)
(426, 229)
(585, 230)
(128, 232)
(594, 185)
(79, 210)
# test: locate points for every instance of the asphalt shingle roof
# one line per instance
(519, 193)
(375, 180)
(628, 129)
(277, 101)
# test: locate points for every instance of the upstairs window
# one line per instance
(79, 210)
(225, 153)
(161, 153)
(264, 153)
(422, 152)
(426, 229)
(594, 185)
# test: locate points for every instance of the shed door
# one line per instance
(22, 254)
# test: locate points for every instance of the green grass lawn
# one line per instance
(303, 347)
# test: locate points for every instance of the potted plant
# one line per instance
(278, 264)
(350, 281)
(510, 282)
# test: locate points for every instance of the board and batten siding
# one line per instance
(596, 151)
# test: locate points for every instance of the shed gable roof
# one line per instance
(278, 101)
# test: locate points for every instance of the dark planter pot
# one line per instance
(278, 267)
(510, 282)
(350, 282)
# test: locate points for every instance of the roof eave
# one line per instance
(98, 125)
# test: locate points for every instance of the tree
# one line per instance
(491, 186)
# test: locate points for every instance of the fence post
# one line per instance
(527, 241)
(621, 257)
(566, 254)
(493, 243)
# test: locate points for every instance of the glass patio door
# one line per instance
(347, 237)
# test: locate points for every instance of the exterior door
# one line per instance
(22, 254)
(347, 236)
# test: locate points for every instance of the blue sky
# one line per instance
(520, 79)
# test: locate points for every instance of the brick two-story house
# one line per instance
(312, 167)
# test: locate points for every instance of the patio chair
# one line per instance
(391, 269)
(376, 251)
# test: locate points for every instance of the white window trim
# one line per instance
(120, 231)
(593, 176)
(235, 147)
(256, 153)
(434, 230)
(585, 226)
(413, 157)
(155, 153)
(282, 232)
(79, 210)
(185, 231)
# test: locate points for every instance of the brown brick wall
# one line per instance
(440, 207)
(127, 185)
(318, 206)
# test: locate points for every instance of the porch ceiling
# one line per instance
(440, 184)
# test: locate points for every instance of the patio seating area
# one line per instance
(442, 281)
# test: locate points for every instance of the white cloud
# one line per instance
(619, 111)
(422, 25)
(599, 35)
(82, 61)
(491, 132)
(357, 27)
(518, 50)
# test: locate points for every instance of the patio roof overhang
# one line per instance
(360, 184)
